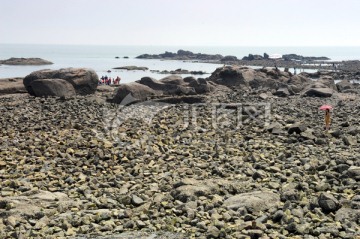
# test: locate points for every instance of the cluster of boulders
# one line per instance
(281, 83)
(69, 82)
(147, 88)
(264, 80)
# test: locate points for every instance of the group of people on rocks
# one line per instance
(105, 80)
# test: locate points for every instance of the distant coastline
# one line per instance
(102, 58)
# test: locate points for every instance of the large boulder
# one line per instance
(233, 76)
(173, 80)
(344, 85)
(53, 87)
(318, 92)
(138, 91)
(327, 81)
(299, 80)
(167, 88)
(244, 77)
(83, 80)
(172, 89)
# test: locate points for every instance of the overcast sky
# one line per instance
(182, 22)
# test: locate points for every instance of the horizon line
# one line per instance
(152, 45)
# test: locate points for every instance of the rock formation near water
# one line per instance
(25, 61)
(182, 55)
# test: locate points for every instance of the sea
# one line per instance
(103, 58)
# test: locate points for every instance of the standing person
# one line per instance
(327, 119)
(327, 109)
(118, 80)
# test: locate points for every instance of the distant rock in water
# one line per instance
(25, 61)
(252, 57)
(294, 57)
(132, 68)
(286, 57)
(182, 55)
(180, 72)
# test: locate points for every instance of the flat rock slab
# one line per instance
(253, 201)
(12, 86)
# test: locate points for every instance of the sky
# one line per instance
(181, 22)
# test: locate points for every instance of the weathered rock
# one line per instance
(354, 171)
(297, 128)
(233, 76)
(344, 214)
(253, 201)
(52, 87)
(167, 88)
(328, 203)
(138, 92)
(189, 189)
(344, 85)
(83, 80)
(282, 92)
(318, 92)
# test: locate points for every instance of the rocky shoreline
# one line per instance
(240, 154)
(286, 61)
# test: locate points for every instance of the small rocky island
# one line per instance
(182, 55)
(132, 68)
(25, 61)
(188, 55)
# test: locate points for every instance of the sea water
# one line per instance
(104, 58)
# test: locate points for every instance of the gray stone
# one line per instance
(52, 87)
(84, 81)
(213, 232)
(136, 201)
(354, 171)
(319, 92)
(253, 201)
(297, 128)
(328, 203)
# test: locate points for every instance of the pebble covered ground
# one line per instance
(236, 167)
